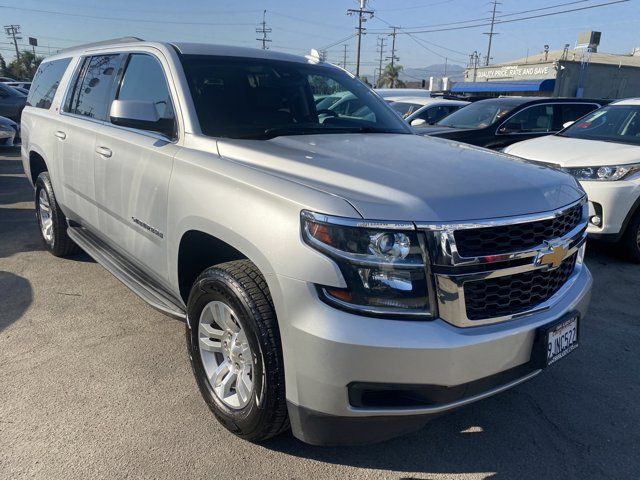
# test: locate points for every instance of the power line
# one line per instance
(264, 31)
(123, 19)
(499, 21)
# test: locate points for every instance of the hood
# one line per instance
(575, 152)
(409, 177)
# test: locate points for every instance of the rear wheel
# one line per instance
(235, 352)
(631, 239)
(51, 219)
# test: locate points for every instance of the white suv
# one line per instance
(601, 150)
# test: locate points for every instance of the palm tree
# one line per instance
(390, 77)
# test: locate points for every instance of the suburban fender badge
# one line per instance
(147, 227)
(552, 256)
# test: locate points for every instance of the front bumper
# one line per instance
(613, 202)
(327, 350)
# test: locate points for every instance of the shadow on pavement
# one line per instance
(15, 297)
(14, 189)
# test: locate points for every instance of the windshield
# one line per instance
(239, 97)
(615, 123)
(477, 115)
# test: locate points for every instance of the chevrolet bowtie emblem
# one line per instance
(553, 256)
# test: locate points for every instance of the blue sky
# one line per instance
(303, 24)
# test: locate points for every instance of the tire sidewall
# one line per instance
(221, 287)
(43, 183)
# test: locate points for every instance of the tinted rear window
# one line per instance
(46, 82)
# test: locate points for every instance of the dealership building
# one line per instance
(579, 72)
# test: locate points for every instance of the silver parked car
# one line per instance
(336, 272)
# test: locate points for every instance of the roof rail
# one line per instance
(104, 42)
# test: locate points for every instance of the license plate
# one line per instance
(561, 339)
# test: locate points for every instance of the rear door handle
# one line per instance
(104, 152)
(60, 134)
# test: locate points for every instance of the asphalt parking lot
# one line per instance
(96, 384)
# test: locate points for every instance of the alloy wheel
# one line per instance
(44, 216)
(226, 355)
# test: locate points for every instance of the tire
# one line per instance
(55, 239)
(631, 238)
(239, 286)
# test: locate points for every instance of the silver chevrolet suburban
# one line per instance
(336, 273)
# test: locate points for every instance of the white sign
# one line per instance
(516, 71)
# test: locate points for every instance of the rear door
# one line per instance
(84, 110)
(133, 168)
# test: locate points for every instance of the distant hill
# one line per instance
(454, 72)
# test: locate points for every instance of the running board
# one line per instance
(128, 274)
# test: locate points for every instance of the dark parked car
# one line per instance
(498, 122)
(11, 102)
(9, 132)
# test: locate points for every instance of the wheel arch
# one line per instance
(37, 165)
(198, 249)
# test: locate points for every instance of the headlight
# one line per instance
(604, 173)
(384, 268)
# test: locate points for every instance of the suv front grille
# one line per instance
(513, 294)
(479, 242)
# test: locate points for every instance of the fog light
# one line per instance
(596, 220)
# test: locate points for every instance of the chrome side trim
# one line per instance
(444, 407)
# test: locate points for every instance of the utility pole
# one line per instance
(13, 33)
(473, 63)
(393, 56)
(381, 50)
(491, 33)
(360, 29)
(264, 31)
(446, 61)
(344, 57)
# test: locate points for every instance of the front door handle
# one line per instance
(60, 134)
(104, 152)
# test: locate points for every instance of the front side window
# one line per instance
(615, 123)
(144, 80)
(477, 115)
(93, 88)
(535, 119)
(46, 82)
(239, 97)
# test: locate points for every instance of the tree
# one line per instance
(365, 79)
(390, 77)
(25, 66)
(3, 67)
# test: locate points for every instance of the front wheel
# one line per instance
(235, 351)
(631, 239)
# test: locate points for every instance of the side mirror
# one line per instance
(418, 122)
(141, 115)
(568, 124)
